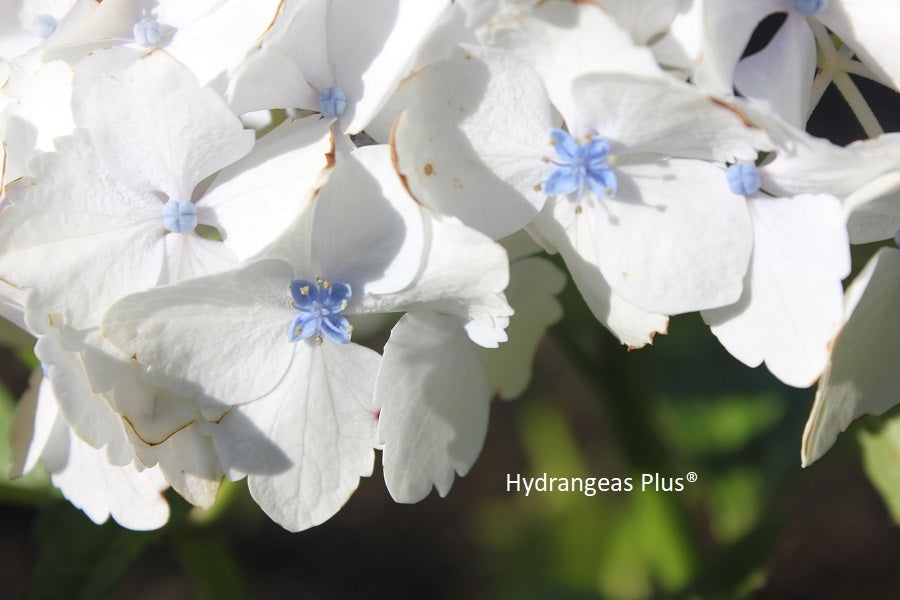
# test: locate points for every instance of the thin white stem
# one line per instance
(823, 39)
(858, 104)
(857, 68)
(820, 84)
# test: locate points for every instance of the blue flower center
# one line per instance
(320, 305)
(580, 164)
(810, 7)
(147, 32)
(332, 101)
(179, 217)
(743, 179)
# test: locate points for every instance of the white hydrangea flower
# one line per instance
(209, 37)
(118, 204)
(649, 217)
(291, 396)
(337, 57)
(102, 205)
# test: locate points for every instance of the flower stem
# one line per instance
(858, 104)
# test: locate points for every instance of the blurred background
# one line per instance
(753, 525)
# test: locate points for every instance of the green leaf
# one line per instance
(33, 488)
(13, 337)
(209, 563)
(715, 425)
(78, 559)
(881, 459)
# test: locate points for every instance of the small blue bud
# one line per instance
(147, 32)
(179, 217)
(332, 101)
(44, 25)
(810, 7)
(743, 179)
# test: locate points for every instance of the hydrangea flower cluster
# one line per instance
(204, 203)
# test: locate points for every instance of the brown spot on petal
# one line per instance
(429, 170)
(330, 155)
(395, 161)
(744, 119)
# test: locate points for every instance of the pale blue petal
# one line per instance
(565, 146)
(305, 293)
(305, 325)
(336, 297)
(602, 182)
(596, 151)
(563, 180)
(336, 328)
